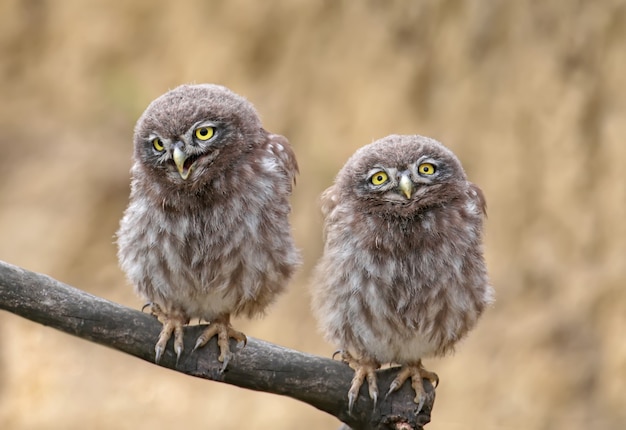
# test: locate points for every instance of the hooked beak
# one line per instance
(406, 186)
(179, 159)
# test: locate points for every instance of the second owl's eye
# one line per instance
(379, 178)
(204, 133)
(426, 169)
(157, 144)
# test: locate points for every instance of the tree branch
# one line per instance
(261, 366)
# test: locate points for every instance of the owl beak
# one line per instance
(406, 186)
(179, 160)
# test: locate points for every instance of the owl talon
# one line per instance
(374, 397)
(339, 351)
(224, 358)
(363, 369)
(431, 376)
(420, 404)
(243, 339)
(206, 335)
(373, 386)
(417, 373)
(172, 324)
(224, 331)
(360, 374)
(158, 353)
(393, 387)
(351, 399)
(155, 311)
(164, 336)
(178, 341)
(178, 349)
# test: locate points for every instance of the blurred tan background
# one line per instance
(531, 95)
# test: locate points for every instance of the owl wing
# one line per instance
(329, 200)
(282, 150)
(478, 197)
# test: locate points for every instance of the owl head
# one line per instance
(193, 132)
(401, 175)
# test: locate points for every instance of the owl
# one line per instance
(402, 276)
(206, 233)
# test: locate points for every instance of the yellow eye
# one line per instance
(157, 144)
(379, 178)
(426, 169)
(204, 133)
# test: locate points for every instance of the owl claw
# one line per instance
(172, 324)
(179, 352)
(158, 353)
(374, 397)
(420, 404)
(351, 398)
(360, 374)
(164, 336)
(417, 373)
(372, 386)
(224, 331)
(244, 339)
(432, 377)
(363, 369)
(225, 359)
(393, 387)
(178, 341)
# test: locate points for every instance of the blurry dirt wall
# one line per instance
(530, 94)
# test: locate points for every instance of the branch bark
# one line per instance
(261, 366)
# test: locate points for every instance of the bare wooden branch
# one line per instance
(261, 366)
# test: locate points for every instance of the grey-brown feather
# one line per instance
(401, 279)
(218, 243)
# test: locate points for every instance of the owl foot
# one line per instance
(173, 322)
(363, 369)
(224, 331)
(416, 372)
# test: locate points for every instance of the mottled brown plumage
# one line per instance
(206, 233)
(402, 276)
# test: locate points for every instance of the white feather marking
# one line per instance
(269, 164)
(471, 206)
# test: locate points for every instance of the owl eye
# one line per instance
(157, 144)
(379, 178)
(426, 169)
(204, 133)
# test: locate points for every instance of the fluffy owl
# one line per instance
(402, 276)
(206, 233)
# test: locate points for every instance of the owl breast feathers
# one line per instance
(206, 233)
(402, 275)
